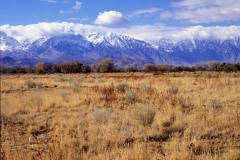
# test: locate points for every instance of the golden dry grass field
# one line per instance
(113, 116)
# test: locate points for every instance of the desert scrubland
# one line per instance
(112, 116)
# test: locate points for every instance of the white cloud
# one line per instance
(145, 12)
(49, 1)
(78, 5)
(78, 19)
(192, 4)
(111, 18)
(142, 32)
(165, 15)
(75, 8)
(66, 1)
(35, 31)
(73, 19)
(84, 19)
(62, 11)
(206, 11)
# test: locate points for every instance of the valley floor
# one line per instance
(187, 115)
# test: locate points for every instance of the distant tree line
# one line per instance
(107, 65)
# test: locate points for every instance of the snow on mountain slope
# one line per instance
(8, 43)
(28, 43)
(121, 49)
(67, 41)
(108, 39)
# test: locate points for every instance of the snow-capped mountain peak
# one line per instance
(108, 38)
(8, 43)
(95, 38)
(91, 47)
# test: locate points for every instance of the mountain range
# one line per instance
(123, 50)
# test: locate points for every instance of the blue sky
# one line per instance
(142, 19)
(23, 12)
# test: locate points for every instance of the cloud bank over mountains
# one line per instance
(141, 32)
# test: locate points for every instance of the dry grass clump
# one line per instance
(64, 95)
(131, 96)
(36, 102)
(68, 79)
(122, 87)
(186, 115)
(30, 84)
(39, 85)
(146, 115)
(96, 80)
(100, 114)
(108, 94)
(76, 87)
(173, 89)
(215, 105)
